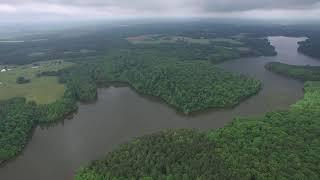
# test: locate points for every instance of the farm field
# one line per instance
(42, 90)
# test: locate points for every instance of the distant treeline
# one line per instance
(74, 44)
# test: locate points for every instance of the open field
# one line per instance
(157, 39)
(43, 90)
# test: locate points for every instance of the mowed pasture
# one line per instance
(158, 39)
(42, 90)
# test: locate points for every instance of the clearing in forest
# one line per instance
(42, 90)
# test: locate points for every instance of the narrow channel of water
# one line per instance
(120, 114)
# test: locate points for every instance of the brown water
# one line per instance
(120, 114)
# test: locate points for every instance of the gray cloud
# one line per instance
(210, 5)
(116, 8)
(244, 5)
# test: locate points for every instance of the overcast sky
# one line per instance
(64, 9)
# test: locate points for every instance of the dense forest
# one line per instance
(279, 145)
(304, 73)
(18, 117)
(310, 46)
(189, 87)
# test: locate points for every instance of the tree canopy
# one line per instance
(304, 73)
(310, 46)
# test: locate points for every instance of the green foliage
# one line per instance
(216, 51)
(223, 54)
(310, 46)
(279, 145)
(304, 73)
(260, 46)
(17, 118)
(187, 86)
(58, 110)
(171, 154)
(282, 144)
(84, 88)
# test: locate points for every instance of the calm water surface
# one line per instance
(120, 114)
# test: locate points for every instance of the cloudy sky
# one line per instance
(264, 9)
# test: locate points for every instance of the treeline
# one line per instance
(57, 48)
(83, 42)
(260, 46)
(59, 109)
(310, 46)
(304, 73)
(215, 52)
(21, 53)
(79, 43)
(279, 145)
(18, 117)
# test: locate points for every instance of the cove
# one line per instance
(120, 114)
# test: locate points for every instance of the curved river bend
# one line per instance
(120, 114)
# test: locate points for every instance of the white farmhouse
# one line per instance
(3, 70)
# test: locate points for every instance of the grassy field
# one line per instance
(43, 90)
(157, 39)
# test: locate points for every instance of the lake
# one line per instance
(120, 115)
